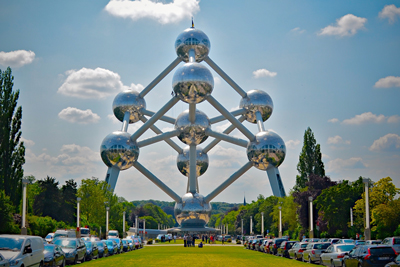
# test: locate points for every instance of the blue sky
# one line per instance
(333, 66)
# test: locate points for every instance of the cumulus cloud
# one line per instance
(292, 144)
(297, 30)
(341, 164)
(393, 119)
(27, 142)
(388, 142)
(75, 115)
(93, 83)
(163, 13)
(337, 140)
(347, 25)
(388, 82)
(16, 58)
(263, 73)
(390, 12)
(334, 120)
(367, 117)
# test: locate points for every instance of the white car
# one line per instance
(4, 262)
(333, 255)
(22, 250)
(49, 237)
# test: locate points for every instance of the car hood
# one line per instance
(68, 250)
(48, 254)
(10, 255)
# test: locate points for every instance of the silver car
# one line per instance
(334, 254)
(296, 252)
(313, 251)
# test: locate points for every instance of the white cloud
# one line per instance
(386, 143)
(337, 140)
(393, 119)
(93, 83)
(292, 144)
(366, 117)
(263, 73)
(27, 142)
(75, 115)
(334, 120)
(16, 58)
(390, 12)
(157, 10)
(217, 80)
(297, 30)
(340, 164)
(347, 25)
(112, 118)
(388, 82)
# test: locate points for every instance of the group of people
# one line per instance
(189, 240)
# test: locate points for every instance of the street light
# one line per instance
(251, 225)
(77, 211)
(107, 209)
(144, 229)
(367, 231)
(280, 222)
(242, 228)
(136, 224)
(262, 223)
(23, 227)
(123, 225)
(310, 199)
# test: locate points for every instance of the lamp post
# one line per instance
(23, 227)
(262, 223)
(136, 225)
(107, 209)
(123, 224)
(367, 231)
(251, 225)
(144, 229)
(227, 229)
(242, 228)
(78, 199)
(280, 222)
(351, 217)
(310, 199)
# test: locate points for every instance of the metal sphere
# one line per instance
(192, 133)
(117, 150)
(195, 39)
(182, 161)
(192, 211)
(192, 82)
(268, 148)
(257, 100)
(128, 100)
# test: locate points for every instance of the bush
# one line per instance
(238, 242)
(229, 240)
(150, 241)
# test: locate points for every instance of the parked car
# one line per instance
(49, 237)
(85, 232)
(112, 234)
(258, 244)
(313, 240)
(264, 244)
(119, 244)
(283, 249)
(103, 249)
(394, 242)
(253, 244)
(267, 246)
(125, 245)
(313, 251)
(92, 251)
(130, 243)
(369, 255)
(395, 263)
(333, 240)
(276, 242)
(334, 254)
(346, 241)
(112, 247)
(53, 255)
(373, 242)
(359, 242)
(4, 262)
(22, 250)
(64, 233)
(137, 242)
(296, 252)
(74, 249)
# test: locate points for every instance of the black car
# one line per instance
(125, 245)
(103, 248)
(53, 255)
(276, 243)
(92, 251)
(74, 249)
(369, 255)
(283, 249)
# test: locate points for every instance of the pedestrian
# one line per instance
(223, 240)
(184, 240)
(194, 240)
(200, 245)
(174, 238)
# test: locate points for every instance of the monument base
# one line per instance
(311, 235)
(24, 231)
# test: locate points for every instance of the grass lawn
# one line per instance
(193, 256)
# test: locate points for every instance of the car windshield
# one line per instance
(381, 250)
(48, 248)
(348, 241)
(49, 236)
(322, 246)
(85, 231)
(64, 243)
(100, 244)
(109, 243)
(11, 243)
(345, 248)
(112, 234)
(88, 244)
(396, 241)
(304, 245)
(124, 241)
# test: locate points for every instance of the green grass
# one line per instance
(193, 256)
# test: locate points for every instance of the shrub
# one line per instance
(229, 240)
(238, 242)
(149, 241)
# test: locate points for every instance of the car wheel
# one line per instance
(83, 259)
(343, 264)
(332, 264)
(309, 260)
(302, 259)
(63, 263)
(75, 260)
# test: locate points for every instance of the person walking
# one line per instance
(223, 240)
(174, 238)
(194, 240)
(184, 240)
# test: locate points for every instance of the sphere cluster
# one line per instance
(128, 100)
(267, 149)
(195, 39)
(192, 133)
(257, 100)
(193, 211)
(118, 150)
(182, 161)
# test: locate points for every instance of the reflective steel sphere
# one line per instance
(192, 133)
(192, 82)
(182, 161)
(117, 150)
(192, 211)
(192, 38)
(257, 100)
(268, 148)
(128, 100)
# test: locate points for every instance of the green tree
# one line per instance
(310, 160)
(7, 225)
(68, 202)
(47, 202)
(12, 150)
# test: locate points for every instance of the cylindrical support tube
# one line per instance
(351, 216)
(161, 76)
(231, 118)
(311, 235)
(220, 118)
(260, 123)
(125, 122)
(228, 182)
(154, 118)
(156, 181)
(192, 113)
(251, 225)
(144, 229)
(262, 223)
(192, 169)
(227, 138)
(280, 222)
(367, 225)
(225, 76)
(78, 212)
(192, 56)
(136, 225)
(155, 139)
(242, 228)
(163, 118)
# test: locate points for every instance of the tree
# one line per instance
(12, 150)
(310, 160)
(7, 225)
(47, 202)
(68, 203)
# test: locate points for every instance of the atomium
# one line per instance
(193, 83)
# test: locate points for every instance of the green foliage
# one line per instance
(310, 160)
(12, 150)
(41, 226)
(149, 241)
(7, 224)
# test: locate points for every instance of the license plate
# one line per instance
(383, 258)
